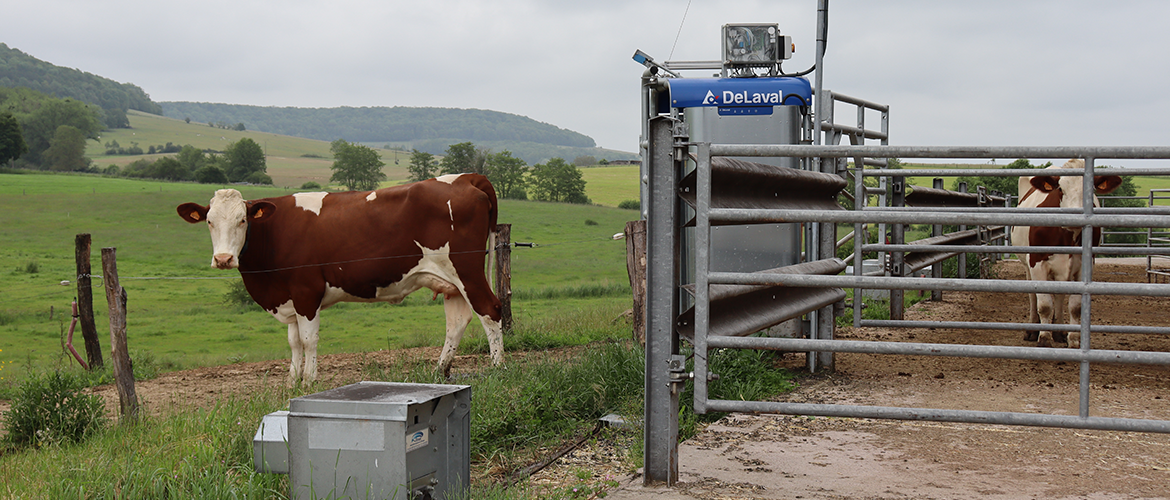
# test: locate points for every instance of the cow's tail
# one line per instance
(483, 184)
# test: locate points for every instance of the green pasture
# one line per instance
(286, 155)
(176, 308)
(609, 186)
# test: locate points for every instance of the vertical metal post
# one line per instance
(1088, 191)
(702, 266)
(962, 227)
(660, 433)
(897, 259)
(936, 269)
(860, 238)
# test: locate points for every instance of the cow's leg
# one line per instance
(1031, 335)
(1074, 316)
(308, 330)
(495, 336)
(1059, 313)
(294, 365)
(458, 316)
(1045, 309)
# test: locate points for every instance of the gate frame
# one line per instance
(662, 363)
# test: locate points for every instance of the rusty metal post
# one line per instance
(123, 366)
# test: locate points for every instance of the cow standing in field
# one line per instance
(1065, 192)
(302, 253)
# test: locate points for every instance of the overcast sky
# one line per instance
(954, 73)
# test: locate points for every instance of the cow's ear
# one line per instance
(1105, 184)
(192, 212)
(260, 211)
(1046, 183)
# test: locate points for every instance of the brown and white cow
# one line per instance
(302, 253)
(1065, 192)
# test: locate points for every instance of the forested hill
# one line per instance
(427, 129)
(18, 69)
(381, 124)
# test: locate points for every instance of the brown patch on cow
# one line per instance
(1051, 237)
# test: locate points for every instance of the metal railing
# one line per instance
(1088, 217)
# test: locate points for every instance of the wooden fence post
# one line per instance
(503, 274)
(93, 347)
(123, 367)
(636, 268)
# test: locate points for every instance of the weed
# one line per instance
(52, 409)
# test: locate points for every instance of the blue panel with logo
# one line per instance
(740, 96)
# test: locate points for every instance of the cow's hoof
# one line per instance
(1044, 342)
(1030, 336)
(1060, 337)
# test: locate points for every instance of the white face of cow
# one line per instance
(1067, 191)
(227, 217)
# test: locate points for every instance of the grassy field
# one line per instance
(176, 303)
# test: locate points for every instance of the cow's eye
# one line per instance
(243, 221)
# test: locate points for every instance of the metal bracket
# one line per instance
(677, 366)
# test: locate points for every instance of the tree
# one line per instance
(244, 157)
(210, 174)
(192, 158)
(1006, 185)
(356, 166)
(506, 173)
(422, 165)
(558, 181)
(66, 150)
(41, 125)
(12, 143)
(459, 159)
(584, 161)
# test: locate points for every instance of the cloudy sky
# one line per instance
(992, 72)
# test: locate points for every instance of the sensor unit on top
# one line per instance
(753, 45)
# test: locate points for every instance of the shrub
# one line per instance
(310, 185)
(52, 409)
(630, 205)
(237, 295)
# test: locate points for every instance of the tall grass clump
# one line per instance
(53, 409)
(586, 290)
(193, 453)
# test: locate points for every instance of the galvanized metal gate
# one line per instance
(668, 149)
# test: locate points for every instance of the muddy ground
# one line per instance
(746, 456)
(767, 456)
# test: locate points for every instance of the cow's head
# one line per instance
(227, 216)
(1066, 191)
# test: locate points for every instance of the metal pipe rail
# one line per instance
(952, 350)
(938, 415)
(736, 215)
(1059, 152)
(1103, 250)
(981, 325)
(948, 284)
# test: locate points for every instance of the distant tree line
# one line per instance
(382, 124)
(242, 161)
(52, 130)
(113, 148)
(555, 180)
(112, 99)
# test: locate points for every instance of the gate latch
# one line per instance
(677, 366)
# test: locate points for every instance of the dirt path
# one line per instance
(767, 456)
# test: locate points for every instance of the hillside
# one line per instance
(18, 69)
(426, 129)
(293, 161)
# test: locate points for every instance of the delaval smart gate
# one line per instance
(706, 184)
